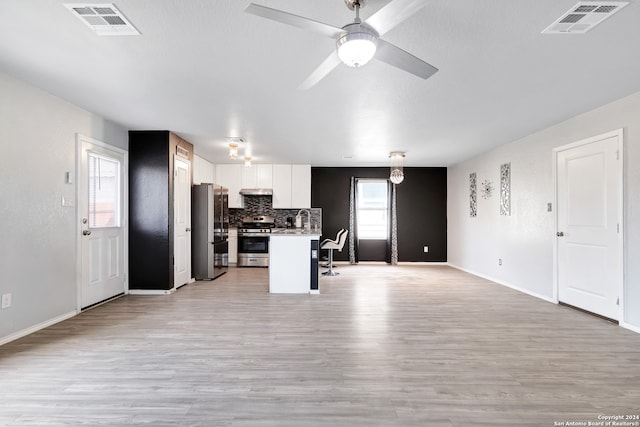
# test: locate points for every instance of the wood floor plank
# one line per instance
(380, 346)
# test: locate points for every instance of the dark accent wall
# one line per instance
(421, 202)
(151, 164)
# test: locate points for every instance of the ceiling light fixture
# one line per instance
(234, 144)
(233, 151)
(247, 162)
(357, 45)
(397, 173)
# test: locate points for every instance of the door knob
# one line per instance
(86, 232)
(560, 234)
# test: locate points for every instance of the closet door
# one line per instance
(182, 222)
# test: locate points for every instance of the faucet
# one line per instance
(308, 226)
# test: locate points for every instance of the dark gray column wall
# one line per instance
(421, 203)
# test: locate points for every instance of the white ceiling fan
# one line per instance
(357, 42)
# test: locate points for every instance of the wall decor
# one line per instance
(486, 188)
(473, 195)
(505, 189)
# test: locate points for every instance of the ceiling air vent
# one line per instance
(104, 19)
(584, 16)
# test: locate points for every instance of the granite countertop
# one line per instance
(295, 232)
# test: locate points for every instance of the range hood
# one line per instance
(256, 191)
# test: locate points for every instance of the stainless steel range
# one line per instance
(253, 241)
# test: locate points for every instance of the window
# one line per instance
(372, 209)
(104, 191)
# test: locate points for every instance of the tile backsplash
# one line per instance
(263, 205)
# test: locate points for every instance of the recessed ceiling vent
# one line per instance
(584, 16)
(104, 19)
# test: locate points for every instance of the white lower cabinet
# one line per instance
(290, 263)
(233, 246)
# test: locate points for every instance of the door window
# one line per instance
(104, 191)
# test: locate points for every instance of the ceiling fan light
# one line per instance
(356, 48)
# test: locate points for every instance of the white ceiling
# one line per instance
(206, 70)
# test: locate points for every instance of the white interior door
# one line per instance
(589, 191)
(102, 214)
(181, 222)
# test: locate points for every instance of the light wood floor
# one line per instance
(380, 346)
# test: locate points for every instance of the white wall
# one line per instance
(524, 240)
(37, 255)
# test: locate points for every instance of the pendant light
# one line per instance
(396, 174)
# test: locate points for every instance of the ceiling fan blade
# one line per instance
(393, 55)
(295, 20)
(319, 73)
(394, 13)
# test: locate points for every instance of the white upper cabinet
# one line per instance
(281, 186)
(203, 171)
(230, 176)
(301, 186)
(257, 176)
(291, 186)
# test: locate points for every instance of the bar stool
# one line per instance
(330, 245)
(326, 262)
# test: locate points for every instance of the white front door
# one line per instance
(589, 194)
(181, 222)
(102, 217)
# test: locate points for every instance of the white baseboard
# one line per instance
(508, 285)
(633, 328)
(406, 263)
(422, 263)
(314, 292)
(36, 328)
(151, 291)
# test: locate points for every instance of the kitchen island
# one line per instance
(291, 259)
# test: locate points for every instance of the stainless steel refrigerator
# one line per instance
(210, 231)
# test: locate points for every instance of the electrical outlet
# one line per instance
(426, 249)
(6, 300)
(499, 261)
(549, 207)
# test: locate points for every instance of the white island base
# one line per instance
(290, 263)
